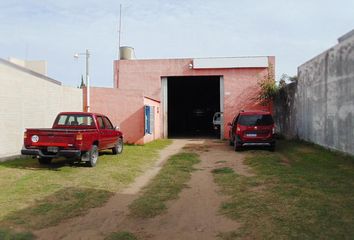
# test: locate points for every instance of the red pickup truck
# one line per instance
(76, 135)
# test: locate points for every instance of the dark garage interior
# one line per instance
(192, 102)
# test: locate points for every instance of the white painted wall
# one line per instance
(39, 66)
(29, 101)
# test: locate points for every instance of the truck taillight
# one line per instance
(273, 130)
(79, 137)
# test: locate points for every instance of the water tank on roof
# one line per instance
(126, 53)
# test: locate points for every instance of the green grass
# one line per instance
(301, 191)
(121, 236)
(165, 186)
(6, 234)
(34, 197)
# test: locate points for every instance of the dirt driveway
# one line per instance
(194, 215)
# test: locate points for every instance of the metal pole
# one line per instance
(120, 28)
(87, 80)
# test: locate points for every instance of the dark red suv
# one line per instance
(252, 128)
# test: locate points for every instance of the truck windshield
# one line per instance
(75, 120)
(255, 120)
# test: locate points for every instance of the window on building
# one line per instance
(149, 119)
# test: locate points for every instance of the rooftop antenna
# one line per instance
(120, 29)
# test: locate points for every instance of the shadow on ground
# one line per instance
(51, 210)
(56, 164)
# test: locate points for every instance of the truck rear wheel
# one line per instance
(118, 148)
(92, 156)
(44, 160)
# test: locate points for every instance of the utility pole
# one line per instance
(120, 29)
(87, 55)
(88, 79)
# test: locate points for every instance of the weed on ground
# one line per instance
(309, 197)
(121, 236)
(34, 196)
(165, 186)
(6, 234)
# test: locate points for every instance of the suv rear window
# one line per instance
(255, 120)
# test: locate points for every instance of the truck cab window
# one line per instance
(100, 122)
(107, 123)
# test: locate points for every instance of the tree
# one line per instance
(268, 87)
(82, 85)
(285, 79)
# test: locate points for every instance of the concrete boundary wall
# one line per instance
(29, 100)
(320, 108)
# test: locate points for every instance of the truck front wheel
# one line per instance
(118, 148)
(91, 157)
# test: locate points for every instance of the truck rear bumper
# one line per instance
(60, 153)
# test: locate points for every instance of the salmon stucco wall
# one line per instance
(126, 110)
(240, 84)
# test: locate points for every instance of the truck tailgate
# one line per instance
(51, 137)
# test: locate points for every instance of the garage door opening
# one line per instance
(192, 102)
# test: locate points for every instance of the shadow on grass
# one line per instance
(7, 234)
(33, 164)
(55, 165)
(309, 197)
(51, 210)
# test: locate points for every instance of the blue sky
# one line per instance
(52, 30)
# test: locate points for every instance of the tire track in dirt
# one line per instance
(101, 221)
(194, 215)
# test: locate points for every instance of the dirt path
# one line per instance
(194, 215)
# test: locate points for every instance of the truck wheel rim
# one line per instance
(94, 155)
(119, 145)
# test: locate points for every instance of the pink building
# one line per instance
(164, 98)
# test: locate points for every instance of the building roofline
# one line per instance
(341, 40)
(26, 70)
(346, 36)
(188, 58)
(150, 98)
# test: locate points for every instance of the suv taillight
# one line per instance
(238, 129)
(25, 135)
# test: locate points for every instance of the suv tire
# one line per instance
(231, 143)
(237, 147)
